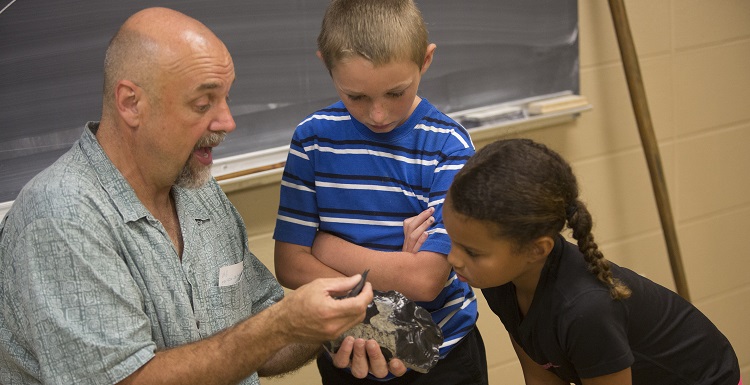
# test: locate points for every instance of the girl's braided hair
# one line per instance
(529, 191)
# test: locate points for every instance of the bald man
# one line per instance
(124, 262)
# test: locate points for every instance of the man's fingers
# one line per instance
(340, 285)
(355, 307)
(315, 316)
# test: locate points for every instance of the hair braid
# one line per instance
(529, 191)
(580, 221)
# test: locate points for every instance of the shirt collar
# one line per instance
(122, 195)
(112, 181)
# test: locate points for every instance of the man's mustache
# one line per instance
(211, 140)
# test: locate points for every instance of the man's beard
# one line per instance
(195, 174)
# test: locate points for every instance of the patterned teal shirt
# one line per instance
(91, 285)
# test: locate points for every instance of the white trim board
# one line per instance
(276, 155)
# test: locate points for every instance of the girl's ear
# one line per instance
(541, 248)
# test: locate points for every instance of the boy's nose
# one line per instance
(378, 113)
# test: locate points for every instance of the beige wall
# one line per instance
(695, 60)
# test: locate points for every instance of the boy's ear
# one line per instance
(320, 57)
(127, 98)
(428, 57)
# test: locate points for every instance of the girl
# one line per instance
(573, 316)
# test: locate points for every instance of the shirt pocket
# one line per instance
(225, 306)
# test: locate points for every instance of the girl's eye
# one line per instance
(396, 94)
(355, 97)
(470, 253)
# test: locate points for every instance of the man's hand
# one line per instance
(366, 357)
(415, 230)
(313, 314)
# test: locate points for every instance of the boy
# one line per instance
(366, 177)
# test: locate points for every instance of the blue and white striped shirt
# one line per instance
(342, 178)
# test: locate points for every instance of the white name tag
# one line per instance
(229, 275)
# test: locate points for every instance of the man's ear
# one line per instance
(541, 247)
(128, 97)
(428, 57)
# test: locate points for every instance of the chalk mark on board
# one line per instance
(6, 7)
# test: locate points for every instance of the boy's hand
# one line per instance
(415, 230)
(366, 357)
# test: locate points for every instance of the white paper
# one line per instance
(229, 275)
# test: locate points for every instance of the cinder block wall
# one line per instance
(694, 57)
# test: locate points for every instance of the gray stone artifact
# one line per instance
(403, 329)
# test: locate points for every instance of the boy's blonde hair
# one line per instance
(377, 30)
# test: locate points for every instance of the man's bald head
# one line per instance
(147, 43)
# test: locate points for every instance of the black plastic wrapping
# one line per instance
(403, 329)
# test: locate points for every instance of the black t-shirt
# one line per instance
(576, 330)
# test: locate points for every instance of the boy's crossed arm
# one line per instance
(295, 265)
(419, 275)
